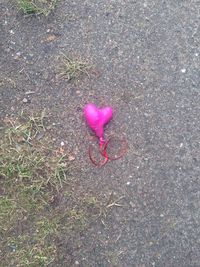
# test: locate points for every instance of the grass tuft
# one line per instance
(72, 69)
(31, 7)
(31, 172)
(35, 181)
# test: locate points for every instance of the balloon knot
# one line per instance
(101, 141)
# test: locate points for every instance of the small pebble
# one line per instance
(76, 262)
(128, 183)
(12, 32)
(62, 143)
(71, 158)
(13, 247)
(25, 100)
(18, 54)
(183, 70)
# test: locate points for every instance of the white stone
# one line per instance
(71, 158)
(183, 70)
(25, 100)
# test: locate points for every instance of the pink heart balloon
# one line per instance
(97, 118)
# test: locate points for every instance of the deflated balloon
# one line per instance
(97, 118)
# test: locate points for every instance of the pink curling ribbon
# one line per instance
(97, 118)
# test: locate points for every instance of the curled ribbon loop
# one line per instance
(103, 147)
